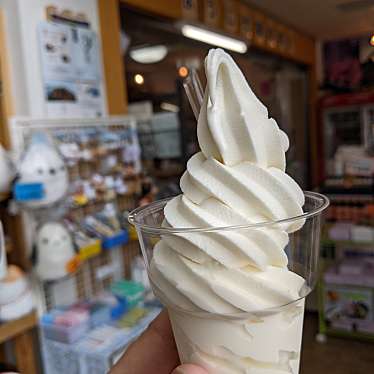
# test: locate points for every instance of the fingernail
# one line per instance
(179, 371)
(189, 369)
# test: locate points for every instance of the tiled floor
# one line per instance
(336, 356)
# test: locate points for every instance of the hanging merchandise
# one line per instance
(132, 153)
(100, 187)
(107, 227)
(139, 272)
(15, 294)
(54, 255)
(6, 171)
(43, 178)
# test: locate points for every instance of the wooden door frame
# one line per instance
(114, 69)
(7, 101)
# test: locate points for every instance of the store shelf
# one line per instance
(347, 334)
(347, 243)
(326, 240)
(9, 330)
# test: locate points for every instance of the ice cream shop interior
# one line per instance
(186, 186)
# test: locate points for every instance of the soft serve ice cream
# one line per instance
(238, 178)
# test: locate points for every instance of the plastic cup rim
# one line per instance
(236, 315)
(154, 206)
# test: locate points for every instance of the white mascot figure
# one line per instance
(54, 250)
(41, 163)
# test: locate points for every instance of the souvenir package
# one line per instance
(69, 148)
(87, 245)
(131, 155)
(107, 226)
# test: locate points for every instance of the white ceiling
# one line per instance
(322, 18)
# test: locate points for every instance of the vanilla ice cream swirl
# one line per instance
(238, 178)
(235, 281)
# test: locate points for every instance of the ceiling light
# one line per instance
(149, 55)
(210, 37)
(372, 40)
(169, 107)
(183, 72)
(138, 79)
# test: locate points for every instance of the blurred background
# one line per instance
(94, 121)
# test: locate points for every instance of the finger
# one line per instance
(153, 352)
(189, 369)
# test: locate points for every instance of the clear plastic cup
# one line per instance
(265, 340)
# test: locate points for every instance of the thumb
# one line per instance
(189, 369)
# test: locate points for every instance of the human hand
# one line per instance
(154, 352)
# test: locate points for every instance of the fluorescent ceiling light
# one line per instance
(210, 37)
(149, 55)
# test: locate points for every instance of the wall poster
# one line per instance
(70, 61)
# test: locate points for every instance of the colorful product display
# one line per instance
(82, 177)
(74, 183)
(347, 285)
(97, 349)
(348, 296)
(123, 308)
